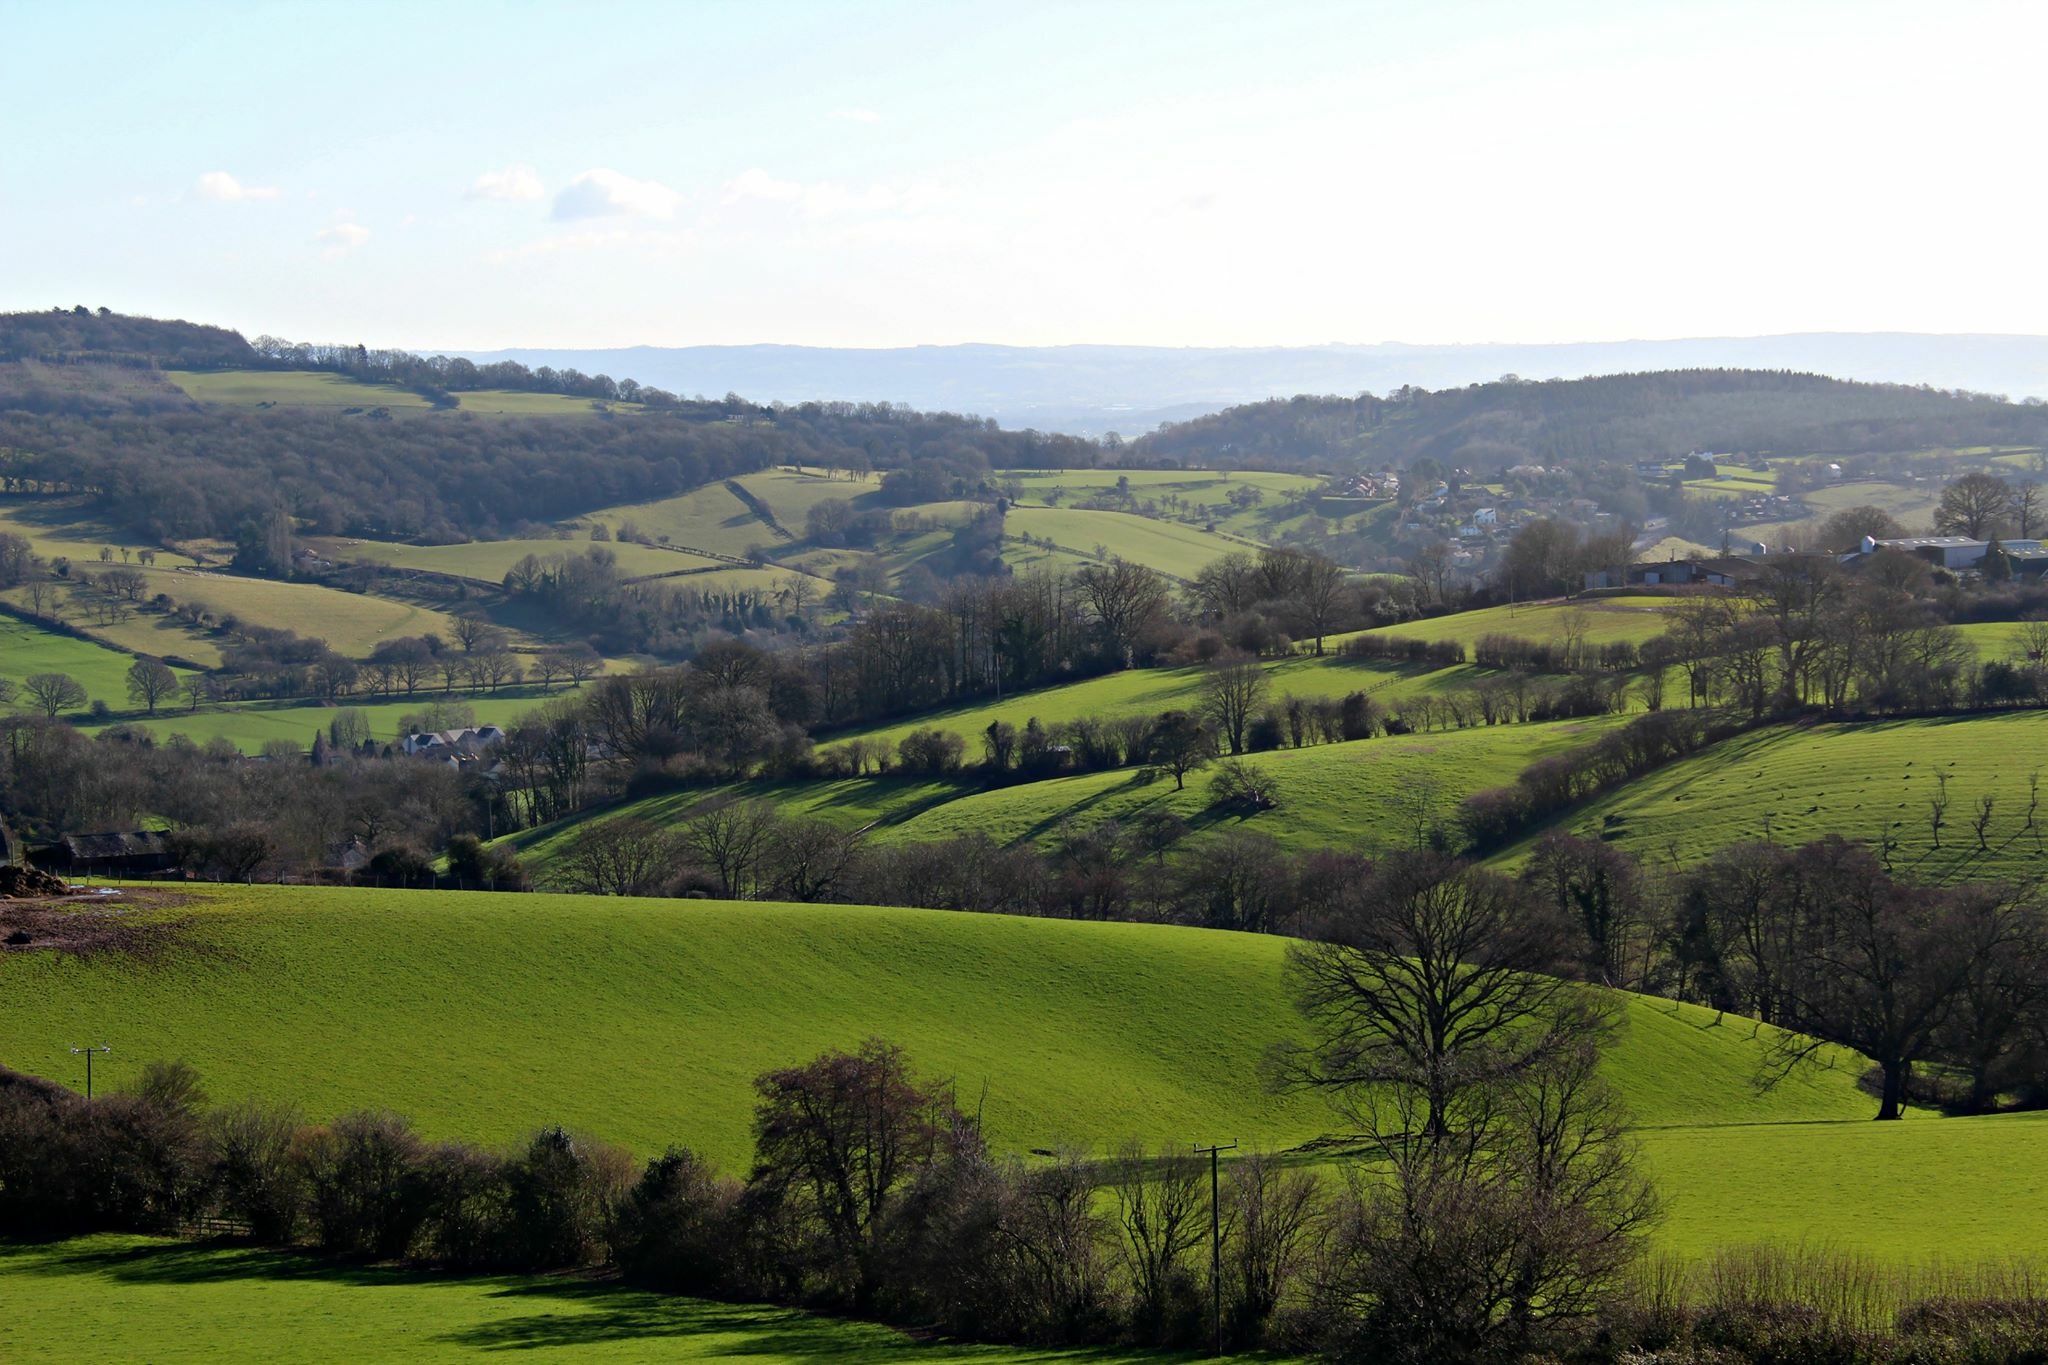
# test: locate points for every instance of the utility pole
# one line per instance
(1216, 1235)
(88, 1051)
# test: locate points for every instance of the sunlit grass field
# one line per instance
(321, 389)
(487, 561)
(1367, 796)
(249, 727)
(1173, 549)
(644, 1021)
(25, 649)
(1866, 781)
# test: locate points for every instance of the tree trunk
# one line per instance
(1890, 1106)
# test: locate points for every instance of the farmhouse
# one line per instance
(467, 742)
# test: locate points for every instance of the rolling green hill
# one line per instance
(645, 1021)
(486, 561)
(322, 389)
(1864, 780)
(1173, 549)
(1365, 796)
(26, 649)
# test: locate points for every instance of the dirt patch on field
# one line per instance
(123, 923)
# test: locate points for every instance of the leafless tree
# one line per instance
(1232, 688)
(731, 840)
(1161, 1218)
(622, 856)
(53, 693)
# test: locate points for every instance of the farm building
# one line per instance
(132, 853)
(1949, 552)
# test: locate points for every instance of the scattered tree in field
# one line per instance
(1232, 689)
(151, 682)
(1179, 743)
(731, 840)
(1937, 807)
(54, 693)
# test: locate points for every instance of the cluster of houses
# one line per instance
(1956, 554)
(453, 746)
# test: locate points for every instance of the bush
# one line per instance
(675, 1228)
(561, 1193)
(254, 1175)
(1243, 786)
(931, 753)
(366, 1179)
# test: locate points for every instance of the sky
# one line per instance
(1278, 172)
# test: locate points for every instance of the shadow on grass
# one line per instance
(535, 1312)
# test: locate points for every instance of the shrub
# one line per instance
(365, 1177)
(675, 1228)
(931, 753)
(561, 1195)
(1243, 786)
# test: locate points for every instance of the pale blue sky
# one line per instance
(454, 175)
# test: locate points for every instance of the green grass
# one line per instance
(351, 623)
(706, 518)
(250, 727)
(1364, 796)
(294, 389)
(1148, 691)
(1798, 783)
(646, 1021)
(65, 528)
(487, 561)
(1173, 549)
(26, 649)
(1960, 1190)
(1603, 619)
(517, 403)
(851, 803)
(116, 1298)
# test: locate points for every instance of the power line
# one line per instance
(1216, 1236)
(88, 1051)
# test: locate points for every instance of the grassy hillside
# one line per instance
(1603, 620)
(321, 389)
(487, 561)
(64, 528)
(1797, 783)
(1173, 549)
(1148, 691)
(114, 1298)
(1366, 796)
(25, 650)
(646, 1020)
(249, 727)
(707, 518)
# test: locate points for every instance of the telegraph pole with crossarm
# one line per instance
(1216, 1235)
(88, 1051)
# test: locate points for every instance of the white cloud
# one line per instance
(228, 190)
(855, 115)
(517, 181)
(755, 183)
(603, 193)
(342, 238)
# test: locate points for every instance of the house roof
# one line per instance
(142, 843)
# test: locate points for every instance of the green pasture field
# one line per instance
(1367, 796)
(488, 561)
(143, 631)
(351, 623)
(1793, 784)
(25, 649)
(1204, 492)
(117, 1298)
(1911, 504)
(1148, 691)
(320, 389)
(644, 1022)
(852, 803)
(294, 389)
(65, 528)
(1173, 549)
(250, 726)
(706, 518)
(1605, 621)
